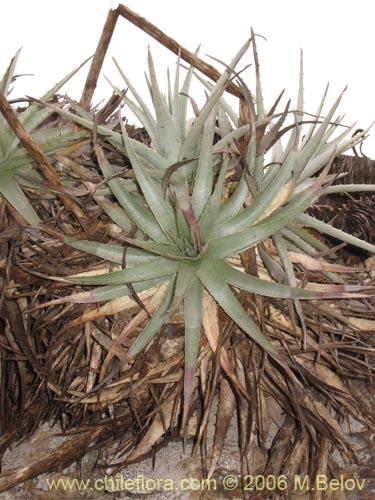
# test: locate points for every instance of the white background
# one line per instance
(337, 38)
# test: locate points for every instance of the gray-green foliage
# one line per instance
(14, 159)
(191, 222)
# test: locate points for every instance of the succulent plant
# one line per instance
(192, 206)
(15, 161)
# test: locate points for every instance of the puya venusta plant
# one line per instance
(188, 222)
(16, 164)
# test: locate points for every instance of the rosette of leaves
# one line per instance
(16, 164)
(189, 223)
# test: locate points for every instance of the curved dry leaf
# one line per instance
(312, 264)
(224, 415)
(210, 321)
(361, 323)
(95, 357)
(151, 306)
(211, 328)
(109, 308)
(333, 380)
(325, 422)
(281, 198)
(157, 429)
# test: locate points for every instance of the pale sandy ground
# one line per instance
(175, 474)
(172, 469)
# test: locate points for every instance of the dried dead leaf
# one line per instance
(362, 323)
(281, 198)
(312, 264)
(223, 419)
(157, 429)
